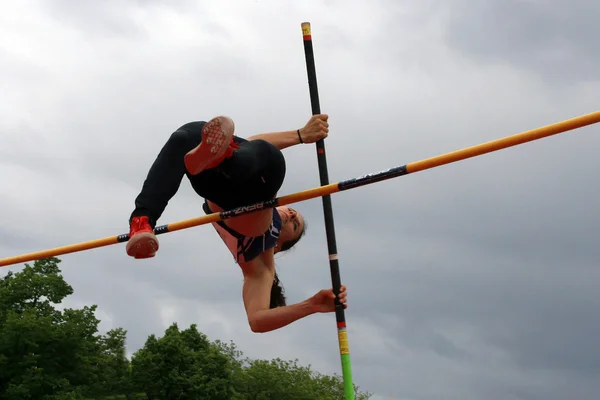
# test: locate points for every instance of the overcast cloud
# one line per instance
(476, 280)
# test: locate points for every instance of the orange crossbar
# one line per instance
(417, 166)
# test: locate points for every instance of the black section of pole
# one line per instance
(340, 316)
(329, 226)
(324, 176)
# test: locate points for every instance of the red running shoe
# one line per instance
(142, 240)
(217, 144)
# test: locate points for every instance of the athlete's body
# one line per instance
(230, 172)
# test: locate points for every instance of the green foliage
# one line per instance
(182, 365)
(281, 379)
(112, 369)
(49, 354)
(44, 352)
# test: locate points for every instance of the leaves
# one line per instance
(281, 379)
(182, 365)
(50, 354)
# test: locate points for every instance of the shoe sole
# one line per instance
(142, 245)
(216, 137)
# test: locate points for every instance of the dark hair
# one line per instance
(277, 294)
(277, 291)
(291, 243)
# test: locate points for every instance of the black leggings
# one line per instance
(254, 173)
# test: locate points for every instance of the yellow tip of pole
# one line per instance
(306, 30)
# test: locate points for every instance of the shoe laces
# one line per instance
(138, 223)
(233, 145)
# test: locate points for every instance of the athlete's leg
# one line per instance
(161, 184)
(253, 173)
(217, 144)
(165, 174)
(205, 153)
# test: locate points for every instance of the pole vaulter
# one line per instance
(428, 163)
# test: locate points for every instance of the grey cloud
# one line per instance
(521, 261)
(473, 280)
(552, 39)
(109, 18)
(11, 240)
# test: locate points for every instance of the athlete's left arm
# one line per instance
(315, 129)
(258, 279)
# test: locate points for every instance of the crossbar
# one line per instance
(428, 163)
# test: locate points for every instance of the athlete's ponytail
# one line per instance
(277, 293)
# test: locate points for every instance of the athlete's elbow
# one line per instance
(258, 324)
(257, 328)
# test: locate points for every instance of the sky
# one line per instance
(473, 280)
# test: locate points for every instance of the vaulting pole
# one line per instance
(328, 213)
(428, 163)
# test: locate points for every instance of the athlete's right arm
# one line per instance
(258, 279)
(316, 128)
(281, 140)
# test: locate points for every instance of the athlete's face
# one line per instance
(292, 225)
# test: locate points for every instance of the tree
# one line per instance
(182, 365)
(112, 369)
(287, 380)
(49, 354)
(44, 353)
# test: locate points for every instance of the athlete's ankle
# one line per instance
(217, 145)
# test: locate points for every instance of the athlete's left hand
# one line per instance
(316, 128)
(324, 300)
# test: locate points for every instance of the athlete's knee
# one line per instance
(178, 137)
(183, 138)
(192, 126)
